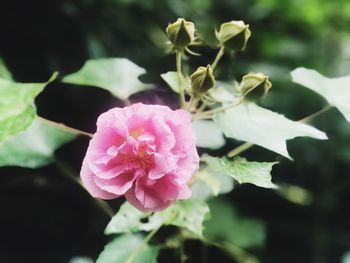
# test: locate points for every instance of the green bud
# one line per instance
(255, 85)
(234, 35)
(202, 80)
(180, 33)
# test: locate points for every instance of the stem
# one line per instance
(66, 128)
(68, 173)
(314, 115)
(243, 147)
(210, 113)
(218, 57)
(192, 103)
(144, 242)
(180, 77)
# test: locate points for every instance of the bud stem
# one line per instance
(218, 57)
(210, 113)
(180, 78)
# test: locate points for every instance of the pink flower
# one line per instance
(145, 152)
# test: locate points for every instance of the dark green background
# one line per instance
(46, 218)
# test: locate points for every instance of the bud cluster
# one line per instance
(232, 35)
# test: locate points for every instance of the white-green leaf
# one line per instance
(120, 76)
(227, 225)
(243, 171)
(211, 183)
(208, 134)
(252, 123)
(189, 214)
(172, 80)
(17, 109)
(224, 92)
(4, 72)
(335, 90)
(129, 219)
(128, 249)
(33, 147)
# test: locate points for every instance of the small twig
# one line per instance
(314, 115)
(210, 113)
(243, 147)
(218, 57)
(64, 127)
(70, 174)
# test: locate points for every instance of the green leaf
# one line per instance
(129, 219)
(17, 109)
(189, 214)
(33, 147)
(243, 171)
(128, 249)
(227, 225)
(4, 72)
(251, 123)
(208, 134)
(172, 80)
(211, 183)
(335, 90)
(224, 92)
(120, 76)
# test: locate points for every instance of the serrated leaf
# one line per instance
(243, 171)
(33, 147)
(128, 249)
(4, 72)
(120, 76)
(335, 90)
(129, 219)
(172, 80)
(227, 225)
(189, 214)
(252, 123)
(17, 109)
(208, 134)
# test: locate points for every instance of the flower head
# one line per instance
(145, 152)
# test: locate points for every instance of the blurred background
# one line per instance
(45, 217)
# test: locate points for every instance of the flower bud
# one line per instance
(254, 85)
(202, 80)
(180, 33)
(234, 35)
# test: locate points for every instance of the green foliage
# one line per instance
(129, 219)
(172, 80)
(128, 249)
(335, 90)
(4, 72)
(211, 183)
(208, 134)
(242, 170)
(33, 147)
(17, 109)
(227, 225)
(189, 214)
(117, 75)
(252, 123)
